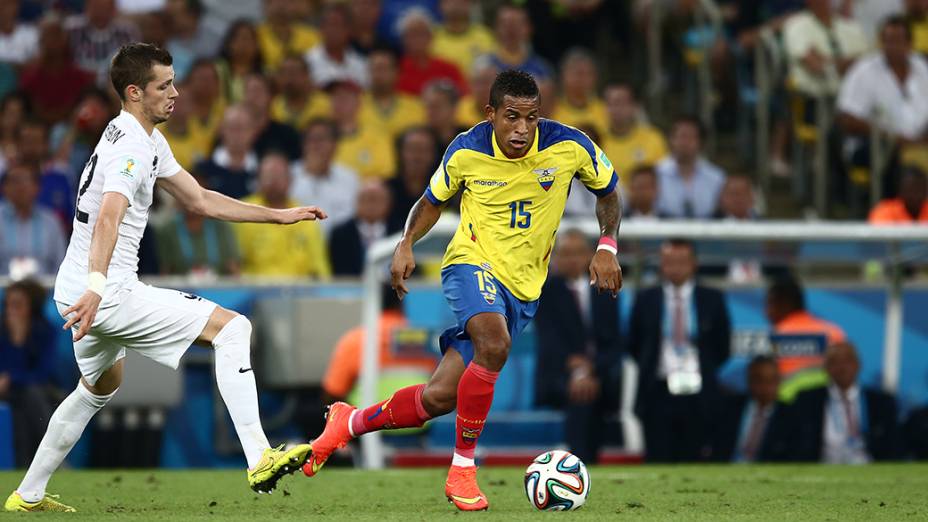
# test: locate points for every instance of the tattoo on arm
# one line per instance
(609, 214)
(422, 218)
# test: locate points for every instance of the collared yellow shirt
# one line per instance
(273, 50)
(368, 152)
(318, 106)
(188, 148)
(463, 49)
(643, 145)
(593, 114)
(405, 112)
(511, 208)
(274, 250)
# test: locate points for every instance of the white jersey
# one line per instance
(126, 160)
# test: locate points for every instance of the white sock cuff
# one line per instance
(97, 401)
(236, 329)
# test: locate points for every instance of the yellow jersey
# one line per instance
(511, 208)
(273, 51)
(593, 114)
(643, 145)
(462, 49)
(273, 250)
(467, 114)
(368, 152)
(317, 106)
(405, 112)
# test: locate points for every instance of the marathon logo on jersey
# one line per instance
(545, 177)
(490, 183)
(127, 170)
(112, 133)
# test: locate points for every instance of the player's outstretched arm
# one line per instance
(605, 272)
(102, 242)
(209, 203)
(422, 218)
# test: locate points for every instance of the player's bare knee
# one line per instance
(235, 327)
(492, 351)
(439, 400)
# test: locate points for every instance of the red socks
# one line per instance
(475, 395)
(403, 410)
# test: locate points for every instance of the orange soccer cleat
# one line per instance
(335, 435)
(462, 489)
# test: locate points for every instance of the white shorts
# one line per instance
(156, 322)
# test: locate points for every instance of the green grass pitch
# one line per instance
(877, 492)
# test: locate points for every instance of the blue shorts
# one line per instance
(471, 290)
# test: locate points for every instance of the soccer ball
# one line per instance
(557, 481)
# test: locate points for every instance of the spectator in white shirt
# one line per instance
(19, 42)
(887, 89)
(820, 47)
(318, 179)
(334, 60)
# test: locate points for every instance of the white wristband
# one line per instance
(96, 283)
(609, 248)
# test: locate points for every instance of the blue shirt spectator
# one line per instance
(688, 184)
(31, 239)
(514, 34)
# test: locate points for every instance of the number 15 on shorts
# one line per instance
(485, 282)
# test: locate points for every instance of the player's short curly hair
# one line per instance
(517, 84)
(133, 63)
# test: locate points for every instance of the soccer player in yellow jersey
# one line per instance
(515, 169)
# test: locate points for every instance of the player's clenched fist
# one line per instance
(83, 313)
(605, 272)
(295, 215)
(401, 268)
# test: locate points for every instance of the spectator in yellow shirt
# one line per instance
(206, 100)
(629, 143)
(458, 40)
(267, 250)
(383, 107)
(298, 102)
(366, 150)
(579, 106)
(239, 56)
(472, 108)
(189, 147)
(282, 34)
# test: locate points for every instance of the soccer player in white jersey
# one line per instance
(108, 310)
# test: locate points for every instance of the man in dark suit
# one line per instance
(752, 428)
(578, 348)
(349, 241)
(844, 423)
(679, 333)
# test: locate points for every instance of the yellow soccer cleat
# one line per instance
(275, 463)
(50, 503)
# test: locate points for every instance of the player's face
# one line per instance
(515, 124)
(159, 94)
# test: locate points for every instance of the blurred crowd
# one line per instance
(350, 105)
